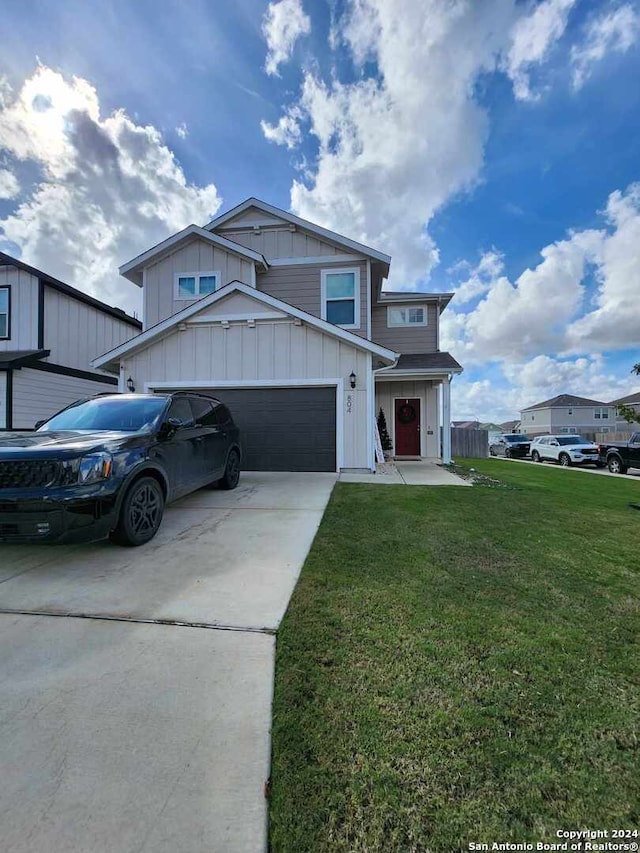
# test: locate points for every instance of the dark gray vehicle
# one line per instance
(107, 465)
(510, 445)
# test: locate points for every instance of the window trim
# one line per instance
(356, 296)
(197, 275)
(7, 337)
(391, 325)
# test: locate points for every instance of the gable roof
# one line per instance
(353, 245)
(564, 400)
(164, 326)
(61, 287)
(628, 400)
(133, 268)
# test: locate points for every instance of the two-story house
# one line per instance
(567, 413)
(288, 324)
(49, 332)
(622, 425)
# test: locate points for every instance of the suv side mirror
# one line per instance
(170, 427)
(39, 423)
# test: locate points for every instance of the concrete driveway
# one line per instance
(136, 683)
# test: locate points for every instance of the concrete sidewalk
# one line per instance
(425, 472)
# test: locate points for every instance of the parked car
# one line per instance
(509, 445)
(565, 449)
(108, 465)
(619, 456)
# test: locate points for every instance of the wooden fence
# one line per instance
(467, 443)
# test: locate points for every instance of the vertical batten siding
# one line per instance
(196, 256)
(24, 309)
(3, 399)
(76, 333)
(405, 339)
(300, 285)
(278, 351)
(282, 243)
(38, 394)
(424, 390)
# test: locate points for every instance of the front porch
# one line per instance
(415, 397)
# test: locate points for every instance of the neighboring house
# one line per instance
(465, 424)
(567, 413)
(510, 426)
(287, 323)
(49, 332)
(632, 401)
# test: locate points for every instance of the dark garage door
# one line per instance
(284, 429)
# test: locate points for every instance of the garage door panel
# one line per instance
(284, 429)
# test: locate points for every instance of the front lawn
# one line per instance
(461, 665)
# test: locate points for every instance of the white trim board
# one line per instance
(212, 384)
(237, 286)
(315, 259)
(301, 223)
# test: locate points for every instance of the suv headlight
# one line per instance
(87, 469)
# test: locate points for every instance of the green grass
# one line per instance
(461, 665)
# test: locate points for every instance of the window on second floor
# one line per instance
(193, 285)
(5, 315)
(410, 315)
(341, 297)
(601, 414)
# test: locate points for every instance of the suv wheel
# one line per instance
(507, 453)
(615, 465)
(535, 456)
(565, 460)
(231, 472)
(140, 513)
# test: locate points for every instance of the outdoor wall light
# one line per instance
(130, 385)
(352, 379)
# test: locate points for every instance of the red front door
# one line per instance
(407, 427)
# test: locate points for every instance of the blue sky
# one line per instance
(489, 147)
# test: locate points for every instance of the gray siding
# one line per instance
(300, 285)
(38, 394)
(3, 399)
(24, 309)
(581, 419)
(196, 256)
(408, 339)
(76, 333)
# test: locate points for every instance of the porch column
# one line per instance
(446, 421)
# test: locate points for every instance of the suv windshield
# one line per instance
(514, 437)
(109, 413)
(572, 439)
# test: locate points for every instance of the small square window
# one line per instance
(194, 285)
(407, 316)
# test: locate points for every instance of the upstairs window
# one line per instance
(601, 414)
(407, 316)
(193, 285)
(341, 297)
(5, 305)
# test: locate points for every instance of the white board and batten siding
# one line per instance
(196, 256)
(76, 332)
(276, 353)
(24, 309)
(423, 390)
(38, 394)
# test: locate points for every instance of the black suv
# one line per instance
(107, 465)
(509, 445)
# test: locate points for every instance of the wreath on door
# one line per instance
(406, 413)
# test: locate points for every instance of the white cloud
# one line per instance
(287, 131)
(9, 186)
(479, 279)
(182, 130)
(533, 36)
(615, 30)
(108, 187)
(283, 24)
